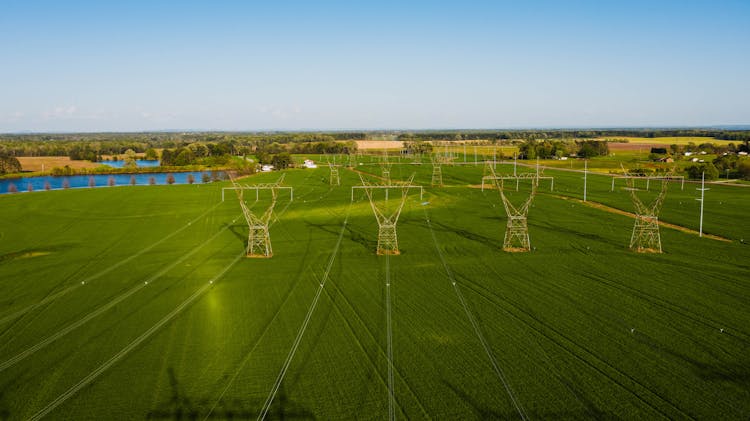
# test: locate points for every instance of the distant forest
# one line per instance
(92, 146)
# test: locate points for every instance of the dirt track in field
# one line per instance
(606, 208)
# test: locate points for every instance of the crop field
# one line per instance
(139, 303)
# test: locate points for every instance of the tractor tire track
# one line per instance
(571, 348)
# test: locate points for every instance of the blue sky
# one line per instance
(296, 65)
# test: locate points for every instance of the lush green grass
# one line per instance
(581, 327)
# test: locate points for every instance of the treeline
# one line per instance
(278, 154)
(729, 166)
(547, 149)
(500, 135)
(93, 145)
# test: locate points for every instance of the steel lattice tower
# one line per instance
(437, 172)
(387, 238)
(517, 229)
(334, 180)
(259, 239)
(646, 237)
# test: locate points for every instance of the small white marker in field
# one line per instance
(83, 283)
(210, 282)
(145, 283)
(721, 330)
(632, 330)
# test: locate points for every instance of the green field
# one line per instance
(137, 302)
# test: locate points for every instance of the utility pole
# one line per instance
(585, 171)
(703, 195)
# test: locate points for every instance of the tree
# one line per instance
(9, 164)
(151, 181)
(132, 180)
(12, 188)
(170, 179)
(184, 157)
(47, 186)
(743, 169)
(130, 159)
(151, 154)
(66, 184)
(696, 171)
(205, 178)
(282, 160)
(92, 182)
(110, 181)
(190, 179)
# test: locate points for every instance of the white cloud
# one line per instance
(60, 112)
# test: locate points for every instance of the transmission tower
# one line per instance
(437, 172)
(334, 179)
(387, 219)
(645, 237)
(517, 228)
(385, 167)
(259, 239)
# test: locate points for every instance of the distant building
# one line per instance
(266, 168)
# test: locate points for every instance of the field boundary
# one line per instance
(605, 208)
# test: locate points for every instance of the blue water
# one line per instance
(139, 162)
(102, 180)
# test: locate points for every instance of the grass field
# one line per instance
(137, 302)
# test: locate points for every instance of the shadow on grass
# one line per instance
(589, 412)
(4, 413)
(182, 407)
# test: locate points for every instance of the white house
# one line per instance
(266, 167)
(309, 163)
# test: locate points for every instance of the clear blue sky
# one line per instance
(245, 65)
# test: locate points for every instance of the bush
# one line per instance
(743, 169)
(695, 172)
(170, 179)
